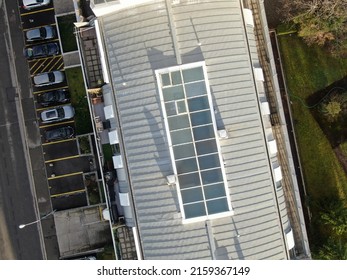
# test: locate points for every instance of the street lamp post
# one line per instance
(38, 220)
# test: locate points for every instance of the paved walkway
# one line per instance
(63, 7)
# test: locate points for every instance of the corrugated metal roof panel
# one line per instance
(138, 41)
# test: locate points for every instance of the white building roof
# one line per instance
(138, 41)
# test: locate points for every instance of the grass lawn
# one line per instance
(66, 31)
(79, 100)
(307, 70)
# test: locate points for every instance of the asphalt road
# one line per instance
(17, 195)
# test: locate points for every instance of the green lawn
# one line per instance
(307, 70)
(79, 100)
(66, 31)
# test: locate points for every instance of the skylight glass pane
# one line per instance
(173, 93)
(165, 79)
(193, 74)
(198, 103)
(217, 206)
(181, 136)
(214, 191)
(181, 107)
(192, 195)
(170, 108)
(178, 122)
(203, 132)
(201, 118)
(194, 210)
(184, 151)
(206, 147)
(195, 89)
(186, 165)
(210, 161)
(176, 78)
(189, 180)
(211, 176)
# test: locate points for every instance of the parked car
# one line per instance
(53, 97)
(42, 33)
(59, 133)
(48, 78)
(41, 50)
(58, 114)
(32, 4)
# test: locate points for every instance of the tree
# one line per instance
(334, 215)
(333, 250)
(334, 106)
(321, 22)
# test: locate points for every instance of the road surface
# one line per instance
(17, 199)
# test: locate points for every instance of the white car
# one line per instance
(46, 32)
(48, 78)
(32, 4)
(58, 114)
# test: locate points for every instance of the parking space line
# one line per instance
(35, 12)
(60, 159)
(49, 107)
(40, 91)
(68, 193)
(55, 124)
(65, 175)
(39, 26)
(58, 60)
(61, 65)
(60, 141)
(48, 64)
(40, 60)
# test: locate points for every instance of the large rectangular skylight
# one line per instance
(194, 148)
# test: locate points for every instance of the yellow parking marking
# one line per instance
(65, 175)
(68, 193)
(35, 12)
(37, 61)
(61, 65)
(59, 58)
(55, 124)
(39, 26)
(45, 67)
(60, 159)
(50, 107)
(60, 141)
(40, 91)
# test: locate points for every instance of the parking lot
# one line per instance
(65, 164)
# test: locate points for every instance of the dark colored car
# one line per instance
(60, 133)
(42, 50)
(53, 97)
(42, 33)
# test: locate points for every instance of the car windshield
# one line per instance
(51, 114)
(43, 32)
(48, 96)
(51, 77)
(60, 113)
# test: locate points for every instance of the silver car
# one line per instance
(58, 114)
(48, 78)
(32, 4)
(46, 32)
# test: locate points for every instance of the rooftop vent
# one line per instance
(171, 179)
(278, 173)
(223, 134)
(247, 13)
